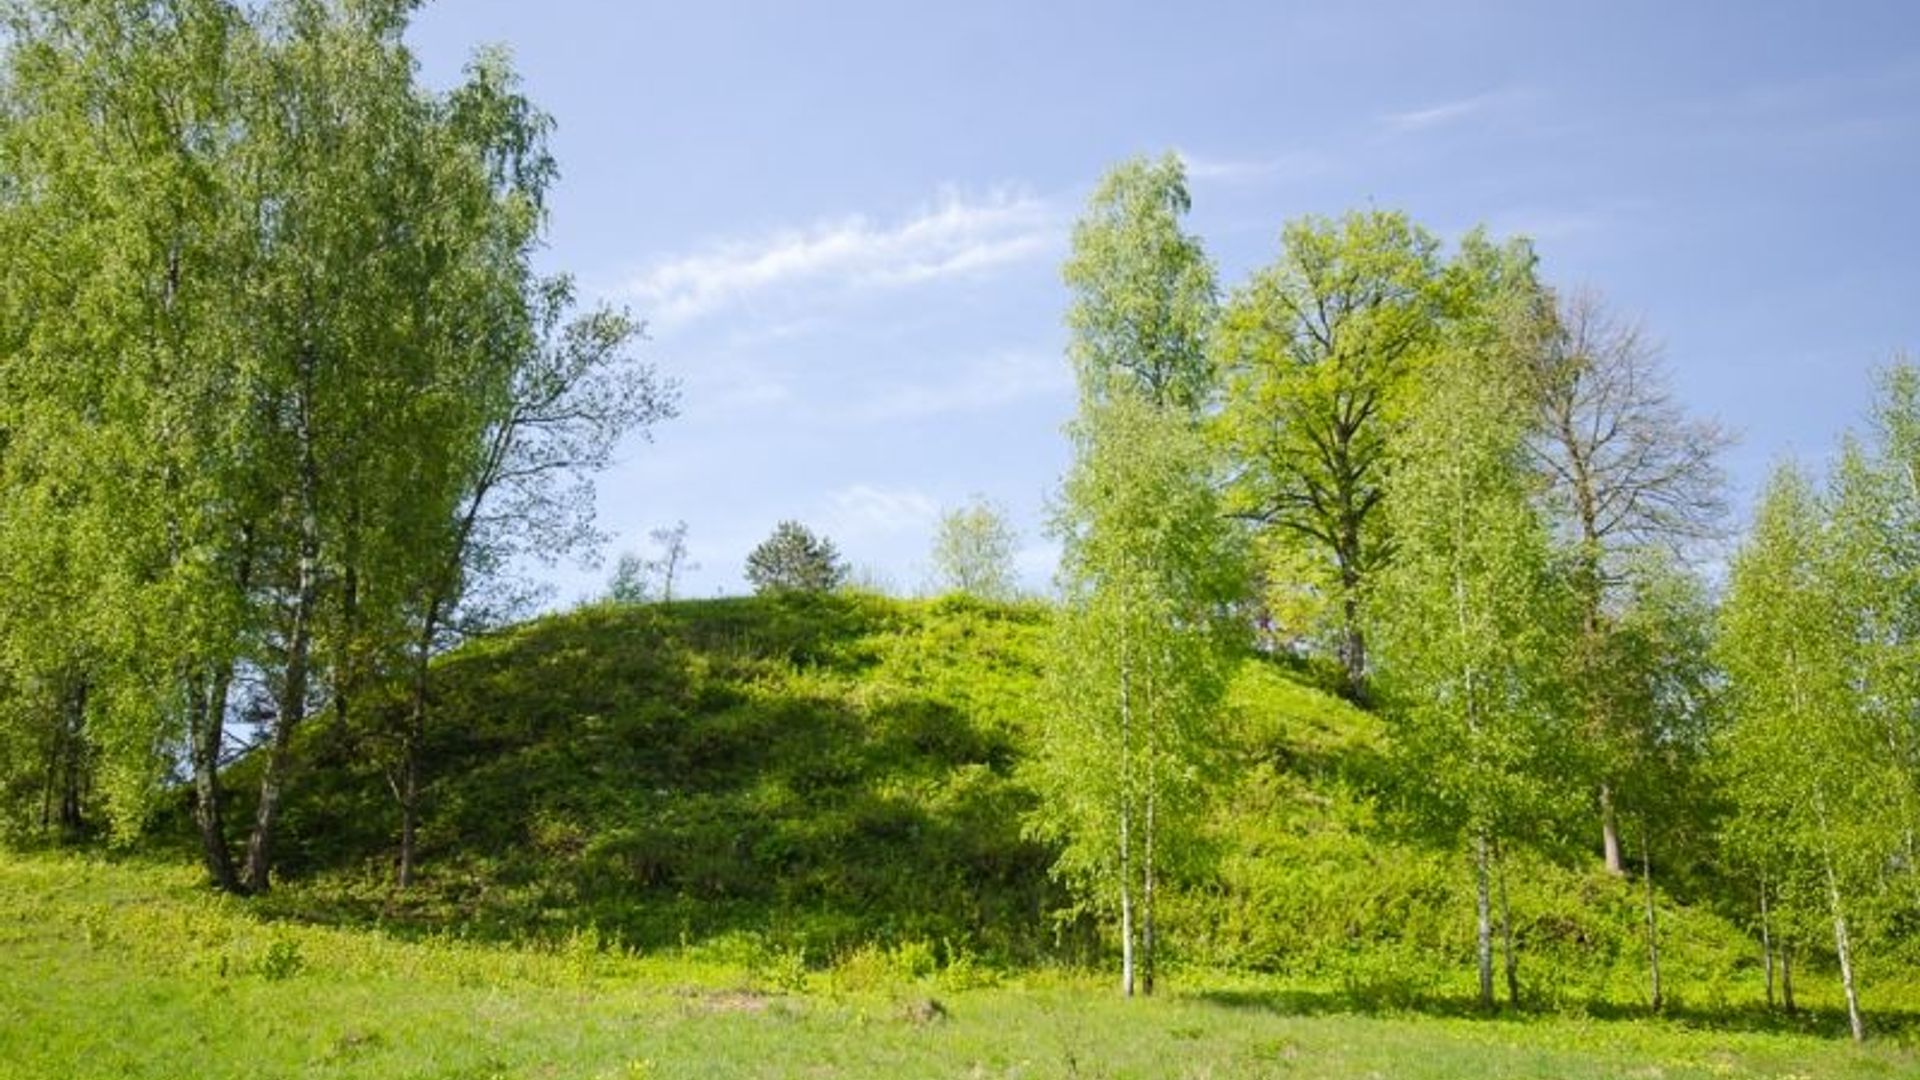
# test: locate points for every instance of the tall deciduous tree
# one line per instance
(1815, 792)
(1144, 295)
(1469, 617)
(1149, 573)
(268, 310)
(129, 373)
(553, 419)
(1149, 564)
(1660, 682)
(1318, 352)
(1627, 469)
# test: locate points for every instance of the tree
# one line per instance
(525, 486)
(133, 415)
(1143, 289)
(794, 560)
(396, 309)
(1659, 680)
(973, 549)
(1816, 797)
(1318, 352)
(1146, 635)
(1468, 618)
(634, 576)
(1876, 570)
(1626, 470)
(630, 584)
(673, 560)
(268, 417)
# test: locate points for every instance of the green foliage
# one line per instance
(794, 560)
(1319, 353)
(1471, 613)
(1143, 290)
(1144, 644)
(973, 549)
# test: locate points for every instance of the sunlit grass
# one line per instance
(134, 970)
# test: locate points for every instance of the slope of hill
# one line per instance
(808, 778)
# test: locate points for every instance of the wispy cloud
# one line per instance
(1442, 113)
(864, 510)
(988, 382)
(1257, 170)
(956, 235)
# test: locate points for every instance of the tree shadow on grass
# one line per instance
(669, 776)
(1901, 1024)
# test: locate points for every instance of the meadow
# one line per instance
(134, 969)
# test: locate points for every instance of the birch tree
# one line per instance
(1146, 632)
(1469, 620)
(1813, 787)
(1149, 565)
(1662, 686)
(1144, 294)
(973, 549)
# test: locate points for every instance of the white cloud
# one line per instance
(985, 383)
(955, 236)
(866, 511)
(1442, 113)
(1252, 170)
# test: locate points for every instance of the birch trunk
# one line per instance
(293, 687)
(208, 724)
(1511, 959)
(1843, 947)
(1766, 942)
(1126, 815)
(1610, 831)
(1484, 911)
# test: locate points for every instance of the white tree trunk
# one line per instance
(1766, 941)
(1510, 958)
(1484, 910)
(1610, 832)
(1844, 948)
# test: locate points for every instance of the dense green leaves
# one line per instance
(795, 560)
(1143, 289)
(1319, 353)
(277, 373)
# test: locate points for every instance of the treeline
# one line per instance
(1473, 496)
(282, 397)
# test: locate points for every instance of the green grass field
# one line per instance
(133, 970)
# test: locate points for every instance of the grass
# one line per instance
(134, 970)
(766, 838)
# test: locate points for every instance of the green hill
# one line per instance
(810, 777)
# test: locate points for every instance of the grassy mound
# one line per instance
(804, 781)
(816, 771)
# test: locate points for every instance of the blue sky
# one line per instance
(844, 222)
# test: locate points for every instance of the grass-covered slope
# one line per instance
(818, 771)
(805, 778)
